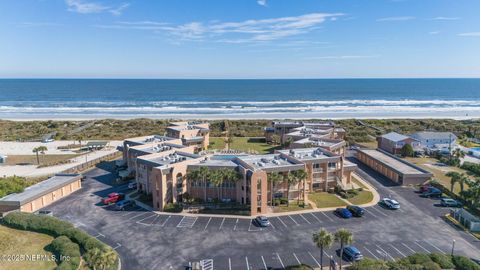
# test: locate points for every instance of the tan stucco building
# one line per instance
(42, 194)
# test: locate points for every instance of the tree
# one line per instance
(454, 178)
(287, 142)
(323, 239)
(407, 150)
(200, 174)
(291, 180)
(276, 139)
(216, 178)
(274, 178)
(344, 237)
(101, 259)
(300, 175)
(228, 140)
(458, 153)
(39, 149)
(229, 175)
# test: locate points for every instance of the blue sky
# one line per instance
(239, 38)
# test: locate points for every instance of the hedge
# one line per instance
(63, 247)
(56, 227)
(173, 208)
(462, 263)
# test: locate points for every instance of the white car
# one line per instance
(391, 203)
(262, 221)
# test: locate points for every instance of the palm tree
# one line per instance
(39, 149)
(300, 176)
(454, 178)
(228, 140)
(80, 138)
(229, 175)
(323, 239)
(216, 178)
(458, 153)
(344, 237)
(204, 174)
(274, 178)
(291, 180)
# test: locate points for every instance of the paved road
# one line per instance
(146, 240)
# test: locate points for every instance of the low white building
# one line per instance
(436, 141)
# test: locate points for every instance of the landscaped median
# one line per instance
(71, 246)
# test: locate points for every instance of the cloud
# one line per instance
(434, 32)
(345, 57)
(396, 19)
(36, 24)
(234, 32)
(470, 34)
(83, 7)
(262, 2)
(445, 19)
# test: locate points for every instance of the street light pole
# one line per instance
(453, 246)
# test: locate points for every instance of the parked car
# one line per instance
(432, 193)
(121, 205)
(448, 202)
(262, 221)
(132, 185)
(113, 198)
(352, 253)
(343, 212)
(424, 188)
(390, 203)
(356, 211)
(45, 212)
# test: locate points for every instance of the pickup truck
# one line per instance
(113, 198)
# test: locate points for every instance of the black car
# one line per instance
(357, 211)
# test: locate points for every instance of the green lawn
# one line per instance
(23, 242)
(325, 200)
(246, 144)
(362, 198)
(438, 172)
(292, 207)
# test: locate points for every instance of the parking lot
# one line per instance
(149, 240)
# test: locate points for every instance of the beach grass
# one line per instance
(17, 242)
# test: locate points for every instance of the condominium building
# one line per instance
(164, 176)
(195, 134)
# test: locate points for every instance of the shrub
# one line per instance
(418, 258)
(173, 208)
(58, 228)
(299, 267)
(444, 261)
(63, 247)
(463, 263)
(369, 264)
(431, 266)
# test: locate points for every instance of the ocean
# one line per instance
(24, 99)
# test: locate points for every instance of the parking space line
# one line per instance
(235, 227)
(273, 227)
(165, 222)
(155, 219)
(435, 247)
(282, 222)
(316, 218)
(278, 256)
(323, 213)
(378, 211)
(295, 255)
(305, 219)
(371, 213)
(324, 252)
(250, 227)
(409, 248)
(138, 221)
(246, 260)
(371, 253)
(221, 224)
(264, 264)
(315, 259)
(138, 215)
(208, 222)
(396, 249)
(386, 253)
(422, 247)
(229, 264)
(117, 246)
(293, 220)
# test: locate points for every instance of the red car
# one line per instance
(113, 198)
(425, 188)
